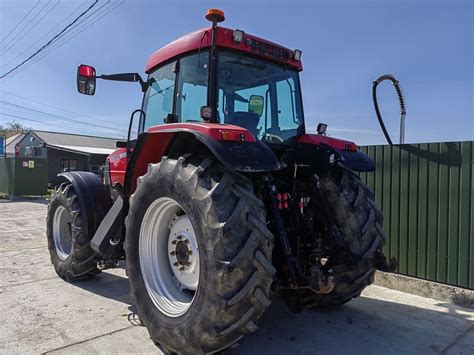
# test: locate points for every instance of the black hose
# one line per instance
(401, 99)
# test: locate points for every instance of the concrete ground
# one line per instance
(44, 314)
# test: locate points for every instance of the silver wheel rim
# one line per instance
(169, 257)
(62, 234)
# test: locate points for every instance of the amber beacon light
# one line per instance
(215, 15)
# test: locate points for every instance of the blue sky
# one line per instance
(428, 45)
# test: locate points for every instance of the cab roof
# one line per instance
(224, 39)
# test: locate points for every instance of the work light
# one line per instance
(297, 54)
(238, 36)
(322, 128)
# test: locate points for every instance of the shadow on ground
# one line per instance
(366, 324)
(107, 285)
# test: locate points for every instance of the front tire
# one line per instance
(68, 244)
(234, 250)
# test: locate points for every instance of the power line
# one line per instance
(18, 24)
(22, 118)
(46, 34)
(50, 41)
(69, 36)
(63, 118)
(36, 121)
(58, 108)
(47, 122)
(15, 40)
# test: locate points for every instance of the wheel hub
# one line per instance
(169, 257)
(62, 232)
(183, 252)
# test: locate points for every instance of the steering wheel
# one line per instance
(273, 137)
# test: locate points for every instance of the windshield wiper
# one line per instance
(161, 91)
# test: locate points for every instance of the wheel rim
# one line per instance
(62, 233)
(169, 257)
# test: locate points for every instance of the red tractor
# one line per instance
(222, 197)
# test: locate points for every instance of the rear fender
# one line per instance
(247, 156)
(325, 151)
(94, 200)
(356, 161)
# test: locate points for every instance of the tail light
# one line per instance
(233, 136)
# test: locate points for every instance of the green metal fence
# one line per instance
(23, 176)
(426, 192)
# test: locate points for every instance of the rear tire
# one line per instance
(69, 247)
(234, 248)
(360, 223)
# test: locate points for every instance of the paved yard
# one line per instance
(43, 314)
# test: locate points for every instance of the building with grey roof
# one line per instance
(62, 151)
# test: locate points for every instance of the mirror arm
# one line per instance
(143, 83)
(131, 77)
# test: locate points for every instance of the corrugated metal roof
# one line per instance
(76, 140)
(11, 142)
(87, 150)
(13, 138)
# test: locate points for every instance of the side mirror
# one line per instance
(86, 79)
(256, 104)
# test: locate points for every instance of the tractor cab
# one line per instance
(225, 76)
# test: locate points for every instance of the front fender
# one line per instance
(94, 200)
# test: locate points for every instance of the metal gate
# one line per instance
(426, 192)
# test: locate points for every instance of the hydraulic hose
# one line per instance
(401, 99)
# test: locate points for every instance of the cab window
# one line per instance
(177, 91)
(260, 96)
(158, 101)
(192, 87)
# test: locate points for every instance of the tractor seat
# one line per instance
(247, 120)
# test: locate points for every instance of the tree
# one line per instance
(12, 128)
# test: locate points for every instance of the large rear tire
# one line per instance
(68, 244)
(222, 236)
(360, 223)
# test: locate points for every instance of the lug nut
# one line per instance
(172, 253)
